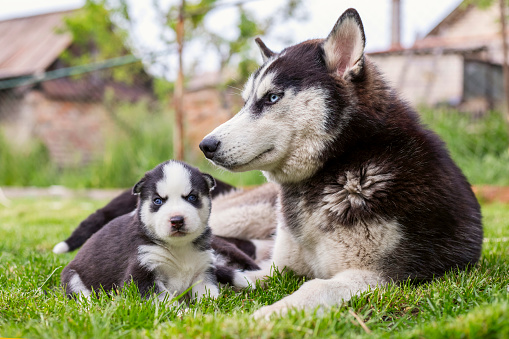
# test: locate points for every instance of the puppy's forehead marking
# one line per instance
(176, 180)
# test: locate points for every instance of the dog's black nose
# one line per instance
(177, 222)
(209, 146)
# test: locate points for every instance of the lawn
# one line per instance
(460, 305)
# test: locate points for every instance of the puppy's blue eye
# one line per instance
(158, 201)
(192, 198)
(273, 98)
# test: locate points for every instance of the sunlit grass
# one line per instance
(469, 304)
(480, 146)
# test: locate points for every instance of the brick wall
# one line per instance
(72, 131)
(75, 131)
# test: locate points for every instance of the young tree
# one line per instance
(190, 25)
(181, 23)
(96, 38)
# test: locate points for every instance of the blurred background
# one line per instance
(95, 93)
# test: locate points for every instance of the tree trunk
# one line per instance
(505, 67)
(178, 95)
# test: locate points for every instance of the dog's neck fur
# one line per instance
(373, 114)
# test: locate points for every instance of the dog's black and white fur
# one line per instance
(368, 194)
(164, 246)
(362, 193)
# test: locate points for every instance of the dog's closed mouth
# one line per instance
(262, 154)
(236, 166)
(257, 157)
(178, 234)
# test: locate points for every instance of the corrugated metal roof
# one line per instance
(29, 45)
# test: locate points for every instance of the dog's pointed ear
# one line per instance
(344, 47)
(139, 185)
(211, 182)
(266, 52)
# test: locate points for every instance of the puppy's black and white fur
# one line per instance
(164, 246)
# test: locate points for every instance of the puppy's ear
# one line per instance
(266, 52)
(344, 47)
(139, 185)
(211, 182)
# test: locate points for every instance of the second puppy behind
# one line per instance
(164, 246)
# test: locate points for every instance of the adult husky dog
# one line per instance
(367, 195)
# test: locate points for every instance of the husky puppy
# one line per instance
(368, 195)
(120, 205)
(232, 209)
(164, 245)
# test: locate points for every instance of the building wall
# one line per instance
(485, 21)
(433, 78)
(72, 131)
(206, 109)
(477, 27)
(424, 79)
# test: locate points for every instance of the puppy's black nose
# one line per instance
(209, 146)
(177, 222)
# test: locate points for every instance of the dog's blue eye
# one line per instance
(192, 198)
(158, 201)
(273, 98)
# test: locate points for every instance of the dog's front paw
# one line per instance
(241, 281)
(254, 277)
(280, 309)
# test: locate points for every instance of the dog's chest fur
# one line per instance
(331, 222)
(176, 269)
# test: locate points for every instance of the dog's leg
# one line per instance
(286, 253)
(247, 214)
(235, 278)
(232, 254)
(204, 288)
(73, 285)
(324, 292)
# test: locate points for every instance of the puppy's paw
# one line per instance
(212, 291)
(241, 281)
(182, 310)
(256, 277)
(279, 309)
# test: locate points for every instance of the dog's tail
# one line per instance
(235, 278)
(122, 204)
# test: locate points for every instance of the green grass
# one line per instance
(469, 304)
(143, 138)
(480, 146)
